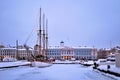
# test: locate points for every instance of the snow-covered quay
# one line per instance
(13, 64)
(54, 72)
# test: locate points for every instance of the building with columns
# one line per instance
(12, 52)
(59, 52)
(67, 53)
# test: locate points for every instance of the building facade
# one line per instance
(60, 53)
(67, 53)
(103, 53)
(12, 52)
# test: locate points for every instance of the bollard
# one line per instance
(108, 67)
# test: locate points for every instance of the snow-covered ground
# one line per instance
(88, 62)
(54, 72)
(113, 68)
(16, 63)
(66, 62)
(40, 64)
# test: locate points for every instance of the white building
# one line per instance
(12, 52)
(68, 53)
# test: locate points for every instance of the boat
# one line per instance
(41, 60)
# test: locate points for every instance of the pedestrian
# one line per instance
(95, 65)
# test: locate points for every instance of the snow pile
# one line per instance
(40, 64)
(104, 62)
(77, 61)
(66, 62)
(100, 61)
(111, 57)
(89, 62)
(23, 63)
(113, 68)
(7, 59)
(12, 64)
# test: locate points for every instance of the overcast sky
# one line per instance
(76, 22)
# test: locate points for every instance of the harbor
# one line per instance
(59, 40)
(54, 72)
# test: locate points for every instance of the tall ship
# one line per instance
(40, 58)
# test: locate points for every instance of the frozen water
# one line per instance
(54, 72)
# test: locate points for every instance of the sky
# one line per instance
(76, 22)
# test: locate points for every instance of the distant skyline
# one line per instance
(76, 22)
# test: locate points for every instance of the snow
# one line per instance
(113, 68)
(40, 64)
(8, 48)
(84, 47)
(109, 75)
(105, 62)
(9, 59)
(66, 62)
(89, 62)
(54, 72)
(59, 47)
(20, 63)
(16, 63)
(14, 48)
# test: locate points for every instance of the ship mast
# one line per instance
(46, 36)
(43, 34)
(40, 34)
(16, 50)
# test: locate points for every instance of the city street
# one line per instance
(54, 72)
